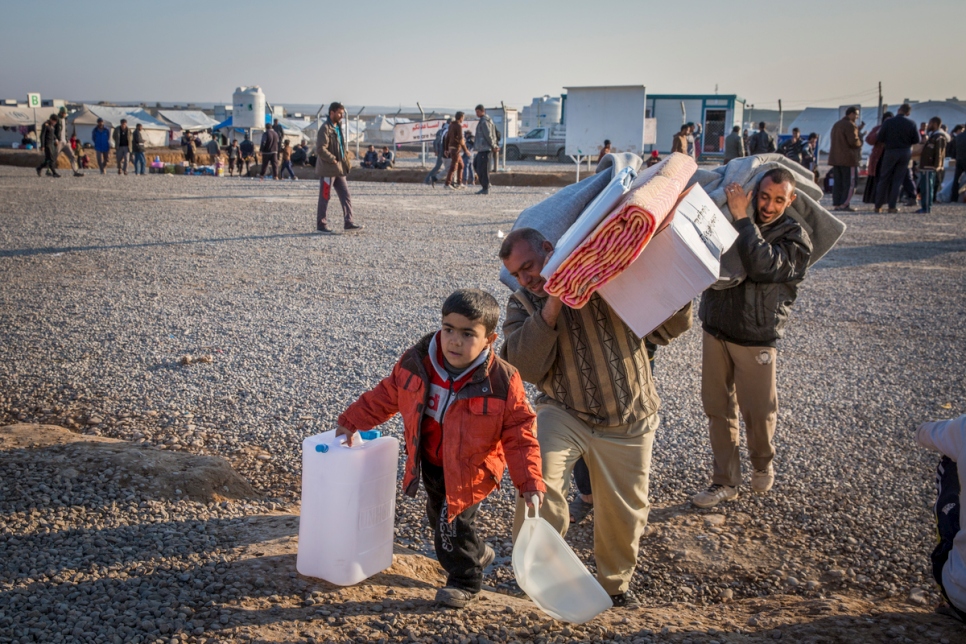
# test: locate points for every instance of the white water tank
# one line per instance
(545, 110)
(248, 108)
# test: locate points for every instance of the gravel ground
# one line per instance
(200, 315)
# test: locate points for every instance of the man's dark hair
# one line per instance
(813, 135)
(689, 124)
(480, 107)
(685, 126)
(852, 110)
(459, 115)
(761, 126)
(475, 305)
(530, 235)
(606, 142)
(335, 106)
(795, 129)
(887, 115)
(736, 128)
(905, 109)
(122, 120)
(780, 175)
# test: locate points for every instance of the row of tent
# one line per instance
(821, 119)
(166, 128)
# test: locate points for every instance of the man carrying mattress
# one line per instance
(741, 327)
(597, 401)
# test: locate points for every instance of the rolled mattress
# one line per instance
(619, 239)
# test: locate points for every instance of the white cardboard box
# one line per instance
(678, 264)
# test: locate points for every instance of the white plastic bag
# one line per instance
(551, 574)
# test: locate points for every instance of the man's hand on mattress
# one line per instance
(551, 310)
(738, 201)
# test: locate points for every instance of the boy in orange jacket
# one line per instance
(466, 418)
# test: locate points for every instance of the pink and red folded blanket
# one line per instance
(619, 239)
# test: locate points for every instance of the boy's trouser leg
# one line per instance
(757, 394)
(458, 546)
(947, 511)
(619, 461)
(721, 408)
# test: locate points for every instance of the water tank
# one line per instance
(248, 108)
(545, 110)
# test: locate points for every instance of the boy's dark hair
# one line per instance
(780, 175)
(475, 305)
(335, 106)
(459, 115)
(852, 110)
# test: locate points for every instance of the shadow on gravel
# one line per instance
(885, 253)
(50, 250)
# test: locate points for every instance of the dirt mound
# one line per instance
(165, 475)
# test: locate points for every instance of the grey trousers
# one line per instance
(64, 148)
(122, 155)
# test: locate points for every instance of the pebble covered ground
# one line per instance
(202, 316)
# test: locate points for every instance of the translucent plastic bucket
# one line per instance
(551, 574)
(348, 507)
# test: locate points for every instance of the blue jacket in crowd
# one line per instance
(102, 139)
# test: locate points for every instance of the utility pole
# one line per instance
(422, 125)
(781, 116)
(879, 115)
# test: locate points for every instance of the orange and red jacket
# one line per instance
(489, 426)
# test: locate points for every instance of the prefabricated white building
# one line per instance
(594, 114)
(717, 114)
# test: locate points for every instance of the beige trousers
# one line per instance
(65, 149)
(736, 378)
(619, 460)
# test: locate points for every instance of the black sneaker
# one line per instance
(455, 597)
(38, 171)
(353, 227)
(484, 191)
(78, 174)
(324, 229)
(626, 599)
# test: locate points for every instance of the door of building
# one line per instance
(714, 132)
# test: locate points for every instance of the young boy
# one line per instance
(466, 417)
(948, 437)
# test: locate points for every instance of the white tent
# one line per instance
(194, 121)
(83, 123)
(380, 130)
(952, 113)
(311, 131)
(15, 120)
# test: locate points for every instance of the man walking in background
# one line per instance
(63, 147)
(48, 141)
(680, 141)
(484, 144)
(959, 141)
(269, 150)
(794, 148)
(897, 136)
(439, 149)
(734, 145)
(101, 138)
(930, 161)
(761, 142)
(456, 147)
(332, 166)
(845, 155)
(137, 149)
(122, 145)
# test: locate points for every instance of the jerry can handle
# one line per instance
(536, 508)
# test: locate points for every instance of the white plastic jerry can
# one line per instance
(348, 506)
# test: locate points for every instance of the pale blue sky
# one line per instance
(452, 54)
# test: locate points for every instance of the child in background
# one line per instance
(466, 417)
